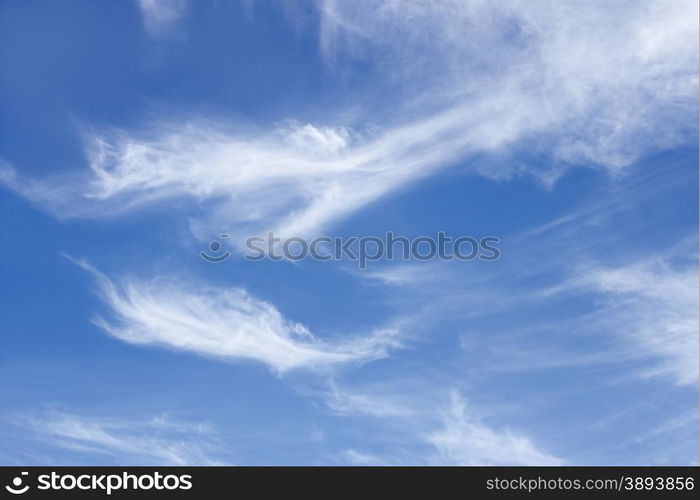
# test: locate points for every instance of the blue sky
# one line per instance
(134, 133)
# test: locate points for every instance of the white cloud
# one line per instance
(463, 439)
(420, 429)
(599, 83)
(360, 458)
(369, 402)
(227, 324)
(652, 306)
(158, 441)
(263, 181)
(576, 82)
(161, 16)
(312, 140)
(405, 274)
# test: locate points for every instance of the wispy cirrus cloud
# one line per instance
(594, 95)
(601, 96)
(568, 84)
(463, 439)
(374, 403)
(425, 429)
(652, 308)
(294, 181)
(356, 457)
(226, 324)
(160, 17)
(156, 441)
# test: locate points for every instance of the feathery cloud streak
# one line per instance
(465, 440)
(653, 307)
(159, 440)
(161, 16)
(227, 324)
(601, 96)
